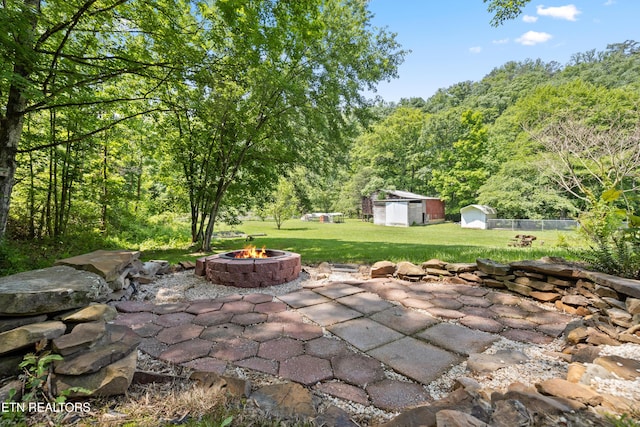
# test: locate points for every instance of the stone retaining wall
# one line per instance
(610, 304)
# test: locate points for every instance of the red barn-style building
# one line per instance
(402, 208)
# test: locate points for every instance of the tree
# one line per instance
(522, 189)
(283, 206)
(59, 53)
(461, 169)
(590, 161)
(393, 149)
(505, 10)
(276, 83)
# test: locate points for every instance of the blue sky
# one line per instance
(452, 41)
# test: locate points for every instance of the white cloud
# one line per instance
(501, 41)
(568, 12)
(529, 19)
(609, 2)
(475, 49)
(531, 38)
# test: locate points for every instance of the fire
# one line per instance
(251, 252)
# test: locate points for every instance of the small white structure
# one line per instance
(403, 208)
(324, 217)
(476, 216)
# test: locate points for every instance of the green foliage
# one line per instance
(284, 204)
(614, 234)
(394, 149)
(521, 189)
(461, 171)
(624, 420)
(505, 10)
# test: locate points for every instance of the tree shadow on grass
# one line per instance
(314, 251)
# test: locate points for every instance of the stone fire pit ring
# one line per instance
(223, 269)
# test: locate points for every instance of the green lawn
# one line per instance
(361, 242)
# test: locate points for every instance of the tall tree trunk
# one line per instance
(105, 188)
(13, 119)
(10, 131)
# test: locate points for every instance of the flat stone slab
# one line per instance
(303, 298)
(365, 334)
(26, 335)
(392, 395)
(624, 286)
(329, 313)
(106, 264)
(458, 339)
(416, 359)
(338, 290)
(365, 302)
(49, 290)
(404, 320)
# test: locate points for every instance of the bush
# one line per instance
(618, 255)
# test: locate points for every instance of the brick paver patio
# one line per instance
(340, 337)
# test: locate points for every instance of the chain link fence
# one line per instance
(532, 224)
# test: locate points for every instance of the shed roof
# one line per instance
(407, 195)
(483, 208)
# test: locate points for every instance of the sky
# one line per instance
(452, 41)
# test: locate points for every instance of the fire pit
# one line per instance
(250, 268)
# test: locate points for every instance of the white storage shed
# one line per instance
(476, 216)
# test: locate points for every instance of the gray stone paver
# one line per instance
(404, 320)
(458, 339)
(365, 334)
(416, 359)
(365, 302)
(273, 335)
(303, 298)
(329, 313)
(338, 290)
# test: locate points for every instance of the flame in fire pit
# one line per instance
(251, 252)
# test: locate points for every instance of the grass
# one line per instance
(167, 237)
(362, 242)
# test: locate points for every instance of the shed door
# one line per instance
(397, 213)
